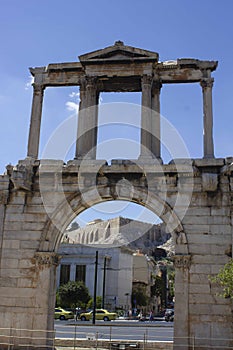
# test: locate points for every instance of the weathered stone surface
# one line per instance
(39, 199)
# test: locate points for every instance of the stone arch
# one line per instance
(61, 217)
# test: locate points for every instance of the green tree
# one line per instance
(157, 288)
(139, 295)
(73, 294)
(224, 279)
(98, 303)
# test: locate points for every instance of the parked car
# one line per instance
(169, 315)
(63, 314)
(100, 314)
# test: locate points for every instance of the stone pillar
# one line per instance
(181, 326)
(87, 120)
(146, 123)
(155, 129)
(34, 132)
(72, 272)
(45, 293)
(207, 85)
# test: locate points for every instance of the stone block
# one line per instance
(202, 298)
(200, 309)
(222, 211)
(22, 235)
(26, 264)
(30, 244)
(209, 259)
(25, 282)
(198, 278)
(201, 268)
(19, 292)
(209, 162)
(7, 281)
(199, 288)
(196, 220)
(17, 254)
(208, 238)
(196, 230)
(25, 217)
(198, 211)
(221, 230)
(200, 249)
(9, 263)
(11, 244)
(209, 182)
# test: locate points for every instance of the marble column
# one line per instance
(87, 120)
(44, 281)
(207, 85)
(34, 131)
(182, 265)
(146, 123)
(156, 128)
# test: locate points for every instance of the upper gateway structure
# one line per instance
(39, 198)
(122, 68)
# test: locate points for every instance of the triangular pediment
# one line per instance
(118, 51)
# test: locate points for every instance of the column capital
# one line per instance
(146, 80)
(46, 259)
(156, 86)
(91, 82)
(182, 261)
(207, 83)
(38, 88)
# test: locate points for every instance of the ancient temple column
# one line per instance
(146, 123)
(87, 120)
(155, 127)
(207, 85)
(34, 131)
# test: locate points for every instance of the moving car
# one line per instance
(63, 314)
(100, 314)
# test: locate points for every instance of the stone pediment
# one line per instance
(118, 52)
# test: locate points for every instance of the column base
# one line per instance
(86, 161)
(145, 159)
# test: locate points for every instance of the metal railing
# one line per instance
(26, 339)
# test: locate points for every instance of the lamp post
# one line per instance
(104, 281)
(95, 286)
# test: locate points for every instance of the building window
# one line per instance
(65, 274)
(80, 273)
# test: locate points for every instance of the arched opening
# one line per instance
(134, 275)
(53, 234)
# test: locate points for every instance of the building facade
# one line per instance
(114, 271)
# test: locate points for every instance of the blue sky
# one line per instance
(38, 33)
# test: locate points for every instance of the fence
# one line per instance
(75, 338)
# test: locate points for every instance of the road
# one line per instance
(155, 331)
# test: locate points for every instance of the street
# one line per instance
(153, 331)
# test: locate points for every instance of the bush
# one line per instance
(73, 294)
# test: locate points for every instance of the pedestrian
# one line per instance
(151, 316)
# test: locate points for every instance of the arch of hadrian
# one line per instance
(39, 198)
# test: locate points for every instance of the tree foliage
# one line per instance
(139, 295)
(157, 288)
(73, 294)
(224, 279)
(98, 303)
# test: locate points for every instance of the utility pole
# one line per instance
(104, 280)
(95, 286)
